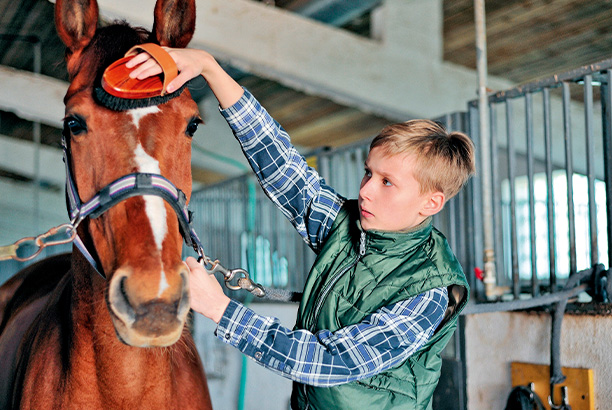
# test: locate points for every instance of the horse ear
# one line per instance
(76, 22)
(174, 22)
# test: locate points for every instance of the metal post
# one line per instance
(531, 190)
(516, 285)
(483, 112)
(36, 132)
(606, 104)
(590, 150)
(550, 194)
(569, 172)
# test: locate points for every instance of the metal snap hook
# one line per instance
(564, 402)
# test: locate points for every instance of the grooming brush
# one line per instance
(121, 92)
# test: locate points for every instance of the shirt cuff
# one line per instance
(243, 112)
(232, 324)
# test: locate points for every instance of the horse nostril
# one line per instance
(119, 301)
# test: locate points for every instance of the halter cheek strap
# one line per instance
(135, 184)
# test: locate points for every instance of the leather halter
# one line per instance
(135, 184)
(119, 85)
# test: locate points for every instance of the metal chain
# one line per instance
(69, 229)
(39, 243)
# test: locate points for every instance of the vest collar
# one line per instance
(397, 243)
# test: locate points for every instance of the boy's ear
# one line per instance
(434, 204)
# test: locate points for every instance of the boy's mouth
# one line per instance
(365, 213)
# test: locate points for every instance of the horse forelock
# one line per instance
(108, 45)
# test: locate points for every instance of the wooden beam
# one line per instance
(17, 156)
(32, 97)
(400, 76)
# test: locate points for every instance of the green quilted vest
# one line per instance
(347, 283)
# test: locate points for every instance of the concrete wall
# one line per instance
(494, 340)
(224, 366)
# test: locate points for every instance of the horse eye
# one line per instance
(192, 127)
(74, 126)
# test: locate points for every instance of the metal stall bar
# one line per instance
(497, 224)
(516, 283)
(531, 191)
(606, 106)
(590, 160)
(476, 214)
(569, 167)
(483, 106)
(450, 210)
(550, 194)
(324, 167)
(470, 255)
(351, 174)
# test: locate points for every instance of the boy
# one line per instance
(384, 294)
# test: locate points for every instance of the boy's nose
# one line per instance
(365, 190)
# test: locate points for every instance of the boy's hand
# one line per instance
(190, 64)
(206, 295)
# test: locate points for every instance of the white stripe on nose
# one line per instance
(154, 206)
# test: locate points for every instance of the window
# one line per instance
(561, 222)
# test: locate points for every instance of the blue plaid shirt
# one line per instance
(382, 340)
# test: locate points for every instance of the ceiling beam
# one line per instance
(334, 12)
(18, 156)
(401, 75)
(395, 77)
(33, 97)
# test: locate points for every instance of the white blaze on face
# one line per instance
(154, 206)
(138, 113)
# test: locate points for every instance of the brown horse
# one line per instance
(70, 338)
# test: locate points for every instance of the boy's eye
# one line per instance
(368, 173)
(386, 182)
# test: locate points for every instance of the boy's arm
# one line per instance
(297, 189)
(294, 187)
(382, 340)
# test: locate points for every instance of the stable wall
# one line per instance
(494, 340)
(224, 366)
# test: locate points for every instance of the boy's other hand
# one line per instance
(206, 295)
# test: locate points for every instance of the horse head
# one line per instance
(137, 241)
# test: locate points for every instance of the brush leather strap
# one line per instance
(169, 69)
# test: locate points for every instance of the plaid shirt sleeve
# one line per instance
(296, 189)
(382, 340)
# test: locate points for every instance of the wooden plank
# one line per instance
(579, 382)
(526, 37)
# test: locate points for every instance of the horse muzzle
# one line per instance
(148, 313)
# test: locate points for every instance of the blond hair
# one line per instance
(444, 161)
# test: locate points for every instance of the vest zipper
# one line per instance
(327, 289)
(323, 295)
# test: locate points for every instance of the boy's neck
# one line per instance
(417, 226)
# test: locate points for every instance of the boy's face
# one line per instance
(390, 198)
